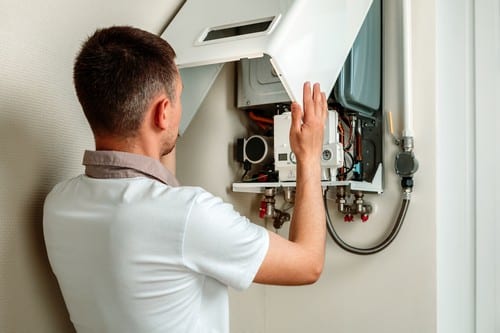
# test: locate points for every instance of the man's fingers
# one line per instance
(315, 102)
(308, 102)
(307, 91)
(324, 105)
(296, 116)
(319, 99)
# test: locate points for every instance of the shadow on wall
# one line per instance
(30, 294)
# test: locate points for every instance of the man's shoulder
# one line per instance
(187, 193)
(60, 186)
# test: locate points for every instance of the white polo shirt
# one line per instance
(134, 254)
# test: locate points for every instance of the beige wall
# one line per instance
(43, 133)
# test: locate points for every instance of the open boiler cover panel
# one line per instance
(303, 39)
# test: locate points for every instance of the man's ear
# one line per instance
(160, 114)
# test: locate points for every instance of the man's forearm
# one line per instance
(308, 222)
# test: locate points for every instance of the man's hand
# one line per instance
(306, 132)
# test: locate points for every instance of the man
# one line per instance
(135, 252)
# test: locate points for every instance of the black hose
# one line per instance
(374, 249)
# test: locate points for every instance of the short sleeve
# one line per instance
(222, 244)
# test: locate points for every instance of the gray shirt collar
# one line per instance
(118, 164)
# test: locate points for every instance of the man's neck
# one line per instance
(135, 145)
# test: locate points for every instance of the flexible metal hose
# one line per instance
(374, 249)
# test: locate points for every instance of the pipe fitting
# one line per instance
(289, 195)
(268, 210)
(358, 206)
(341, 200)
(407, 143)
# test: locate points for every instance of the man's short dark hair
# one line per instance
(117, 73)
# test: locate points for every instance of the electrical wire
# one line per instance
(345, 166)
(350, 140)
(259, 178)
(374, 249)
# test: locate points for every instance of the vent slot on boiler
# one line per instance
(239, 29)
